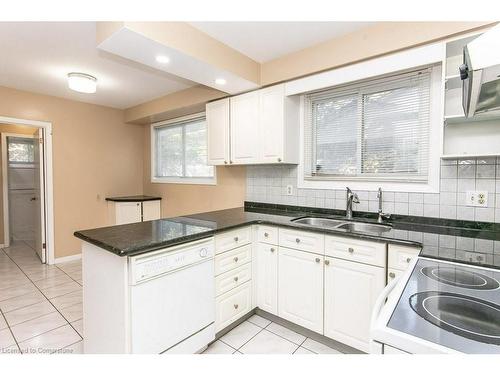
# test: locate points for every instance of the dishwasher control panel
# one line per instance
(144, 267)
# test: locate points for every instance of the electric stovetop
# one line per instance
(453, 305)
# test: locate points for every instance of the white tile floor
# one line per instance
(261, 336)
(41, 312)
(40, 305)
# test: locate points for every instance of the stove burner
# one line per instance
(465, 316)
(460, 278)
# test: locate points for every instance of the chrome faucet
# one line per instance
(351, 198)
(381, 215)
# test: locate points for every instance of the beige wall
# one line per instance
(95, 155)
(183, 199)
(372, 41)
(13, 129)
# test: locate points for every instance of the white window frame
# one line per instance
(173, 179)
(431, 185)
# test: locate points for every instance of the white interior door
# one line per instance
(39, 196)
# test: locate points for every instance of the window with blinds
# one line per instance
(180, 150)
(372, 130)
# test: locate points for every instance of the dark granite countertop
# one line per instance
(133, 198)
(434, 235)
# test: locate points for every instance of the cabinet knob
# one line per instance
(225, 161)
(297, 240)
(236, 239)
(230, 162)
(137, 204)
(279, 160)
(272, 249)
(392, 275)
(236, 278)
(327, 262)
(235, 305)
(317, 260)
(408, 260)
(266, 234)
(235, 259)
(351, 250)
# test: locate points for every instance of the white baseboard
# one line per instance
(69, 258)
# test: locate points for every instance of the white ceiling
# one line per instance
(36, 56)
(264, 41)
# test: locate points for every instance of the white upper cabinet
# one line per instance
(259, 127)
(218, 132)
(244, 129)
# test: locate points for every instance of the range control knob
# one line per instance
(203, 252)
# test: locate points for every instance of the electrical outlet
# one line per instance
(289, 190)
(475, 257)
(477, 198)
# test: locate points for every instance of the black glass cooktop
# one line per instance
(453, 305)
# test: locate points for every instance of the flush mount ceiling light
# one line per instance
(162, 59)
(220, 81)
(82, 82)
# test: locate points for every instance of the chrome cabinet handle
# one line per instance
(236, 239)
(392, 275)
(272, 249)
(279, 160)
(236, 278)
(297, 240)
(266, 234)
(235, 259)
(327, 262)
(235, 305)
(408, 260)
(351, 250)
(225, 161)
(230, 162)
(317, 260)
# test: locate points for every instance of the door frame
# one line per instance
(48, 181)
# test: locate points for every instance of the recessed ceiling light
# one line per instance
(162, 59)
(220, 81)
(82, 82)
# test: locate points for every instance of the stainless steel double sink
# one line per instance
(351, 226)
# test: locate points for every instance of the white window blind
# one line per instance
(180, 150)
(372, 130)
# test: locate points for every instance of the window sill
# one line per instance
(185, 180)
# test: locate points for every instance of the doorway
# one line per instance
(27, 186)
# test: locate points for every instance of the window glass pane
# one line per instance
(196, 150)
(21, 151)
(335, 127)
(169, 151)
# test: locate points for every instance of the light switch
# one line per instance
(477, 198)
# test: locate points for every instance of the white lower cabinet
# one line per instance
(232, 305)
(300, 288)
(351, 289)
(267, 277)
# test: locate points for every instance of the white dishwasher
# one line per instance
(172, 308)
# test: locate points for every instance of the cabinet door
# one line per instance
(267, 277)
(218, 132)
(127, 212)
(272, 124)
(300, 288)
(350, 292)
(245, 137)
(151, 210)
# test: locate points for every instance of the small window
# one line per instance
(179, 151)
(376, 130)
(21, 150)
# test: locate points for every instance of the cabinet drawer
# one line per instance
(232, 239)
(373, 253)
(392, 273)
(300, 240)
(232, 305)
(401, 256)
(232, 279)
(268, 234)
(232, 259)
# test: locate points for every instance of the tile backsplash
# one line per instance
(268, 184)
